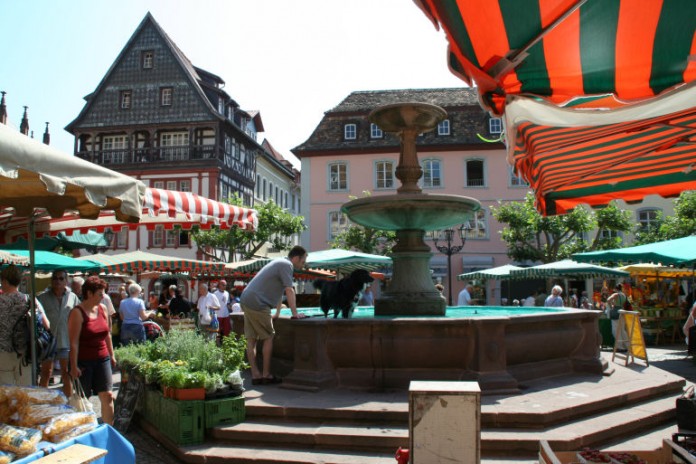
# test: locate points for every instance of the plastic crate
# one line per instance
(224, 411)
(182, 421)
(151, 408)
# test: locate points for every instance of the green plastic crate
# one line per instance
(151, 408)
(182, 421)
(224, 411)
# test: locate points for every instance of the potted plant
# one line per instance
(190, 386)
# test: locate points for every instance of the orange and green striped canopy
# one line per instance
(599, 96)
(561, 49)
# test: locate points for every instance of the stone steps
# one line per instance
(285, 426)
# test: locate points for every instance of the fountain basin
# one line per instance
(499, 352)
(410, 211)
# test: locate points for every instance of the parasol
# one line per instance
(593, 91)
(139, 261)
(680, 251)
(497, 273)
(568, 268)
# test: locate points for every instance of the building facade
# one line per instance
(157, 117)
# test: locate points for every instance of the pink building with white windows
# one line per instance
(347, 155)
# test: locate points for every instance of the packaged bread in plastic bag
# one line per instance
(61, 425)
(31, 415)
(6, 458)
(38, 395)
(18, 440)
(73, 432)
(6, 411)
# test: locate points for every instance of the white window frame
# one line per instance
(148, 59)
(647, 221)
(475, 183)
(350, 131)
(175, 139)
(443, 127)
(121, 239)
(337, 222)
(387, 175)
(495, 126)
(376, 131)
(158, 184)
(126, 99)
(172, 238)
(158, 236)
(515, 181)
(477, 224)
(166, 96)
(118, 143)
(337, 182)
(605, 234)
(185, 185)
(429, 181)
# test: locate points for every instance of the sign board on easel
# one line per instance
(630, 333)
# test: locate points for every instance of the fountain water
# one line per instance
(410, 213)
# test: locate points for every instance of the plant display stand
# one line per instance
(224, 411)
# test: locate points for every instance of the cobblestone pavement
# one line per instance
(672, 358)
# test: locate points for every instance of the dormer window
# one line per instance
(350, 132)
(221, 105)
(443, 127)
(495, 126)
(148, 59)
(375, 131)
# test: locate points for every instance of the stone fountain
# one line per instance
(410, 213)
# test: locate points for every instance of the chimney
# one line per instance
(47, 136)
(24, 126)
(3, 109)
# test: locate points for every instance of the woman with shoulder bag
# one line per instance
(615, 302)
(688, 327)
(91, 350)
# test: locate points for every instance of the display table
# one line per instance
(120, 450)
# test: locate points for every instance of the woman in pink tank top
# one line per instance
(91, 351)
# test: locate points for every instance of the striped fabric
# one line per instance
(161, 208)
(495, 273)
(140, 261)
(634, 49)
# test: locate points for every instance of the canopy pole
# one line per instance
(32, 299)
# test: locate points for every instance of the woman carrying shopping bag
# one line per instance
(91, 350)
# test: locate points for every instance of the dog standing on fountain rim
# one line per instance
(343, 295)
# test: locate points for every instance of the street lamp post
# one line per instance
(448, 236)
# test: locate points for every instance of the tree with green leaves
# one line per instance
(531, 236)
(276, 226)
(682, 224)
(364, 239)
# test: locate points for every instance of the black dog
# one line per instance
(343, 295)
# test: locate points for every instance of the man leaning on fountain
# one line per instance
(265, 292)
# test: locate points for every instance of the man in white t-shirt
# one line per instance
(207, 302)
(223, 313)
(465, 296)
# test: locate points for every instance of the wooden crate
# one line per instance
(670, 452)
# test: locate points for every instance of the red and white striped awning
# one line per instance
(165, 208)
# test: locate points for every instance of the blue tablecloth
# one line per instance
(120, 450)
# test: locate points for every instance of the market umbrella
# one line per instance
(8, 257)
(681, 251)
(568, 268)
(248, 268)
(657, 270)
(76, 241)
(545, 64)
(346, 261)
(49, 261)
(498, 273)
(165, 208)
(139, 261)
(36, 179)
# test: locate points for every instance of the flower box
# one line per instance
(187, 394)
(593, 456)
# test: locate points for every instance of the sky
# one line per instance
(292, 60)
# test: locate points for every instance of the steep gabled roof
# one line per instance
(188, 68)
(367, 100)
(275, 157)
